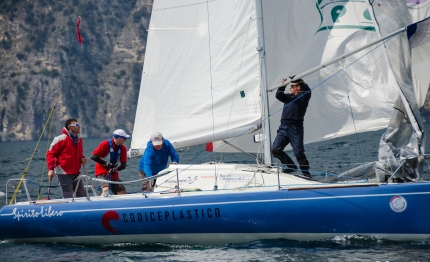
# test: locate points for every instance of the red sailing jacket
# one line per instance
(103, 152)
(64, 155)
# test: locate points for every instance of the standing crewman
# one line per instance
(291, 129)
(64, 158)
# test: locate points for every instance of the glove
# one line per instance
(174, 163)
(109, 165)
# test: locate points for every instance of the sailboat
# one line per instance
(210, 71)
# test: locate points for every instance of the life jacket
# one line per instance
(114, 156)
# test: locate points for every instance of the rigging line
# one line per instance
(340, 70)
(240, 70)
(191, 160)
(356, 135)
(211, 80)
(62, 79)
(47, 147)
(180, 6)
(31, 158)
(338, 67)
(377, 58)
(240, 66)
(235, 147)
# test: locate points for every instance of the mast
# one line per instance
(264, 94)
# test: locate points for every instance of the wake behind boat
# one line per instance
(208, 72)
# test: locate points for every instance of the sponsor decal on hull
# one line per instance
(172, 215)
(235, 178)
(107, 217)
(398, 204)
(33, 213)
(188, 180)
(163, 215)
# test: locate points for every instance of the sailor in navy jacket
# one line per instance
(291, 128)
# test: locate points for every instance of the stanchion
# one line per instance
(177, 182)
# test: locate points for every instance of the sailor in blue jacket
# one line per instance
(156, 158)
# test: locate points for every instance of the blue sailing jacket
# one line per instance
(153, 161)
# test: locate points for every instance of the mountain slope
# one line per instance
(42, 64)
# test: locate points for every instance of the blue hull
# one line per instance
(394, 211)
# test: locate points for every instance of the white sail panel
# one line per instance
(418, 9)
(294, 45)
(334, 28)
(201, 71)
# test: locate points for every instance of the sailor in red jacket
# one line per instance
(65, 157)
(111, 157)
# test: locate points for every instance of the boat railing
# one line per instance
(177, 181)
(177, 188)
(279, 179)
(24, 181)
(403, 163)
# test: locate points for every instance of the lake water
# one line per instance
(334, 156)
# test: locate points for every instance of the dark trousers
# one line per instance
(68, 185)
(291, 133)
(115, 188)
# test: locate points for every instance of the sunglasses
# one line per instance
(75, 124)
(294, 85)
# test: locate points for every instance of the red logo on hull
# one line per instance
(107, 217)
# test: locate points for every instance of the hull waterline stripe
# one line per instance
(215, 238)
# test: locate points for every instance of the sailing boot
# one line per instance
(304, 166)
(286, 160)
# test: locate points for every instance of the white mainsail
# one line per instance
(201, 74)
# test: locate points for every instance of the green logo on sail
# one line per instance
(344, 14)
